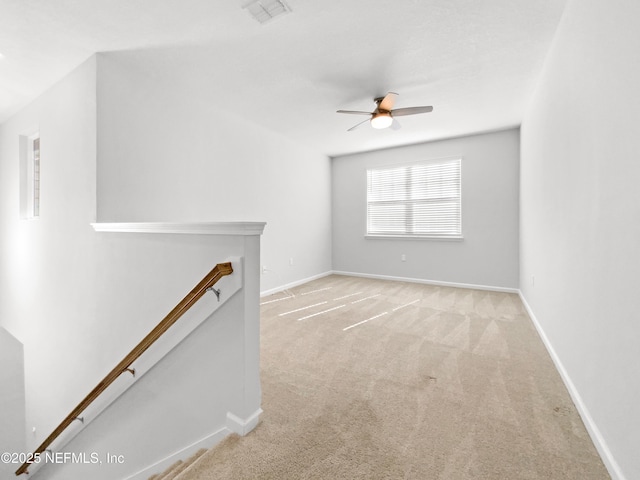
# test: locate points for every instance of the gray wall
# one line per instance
(488, 254)
(580, 218)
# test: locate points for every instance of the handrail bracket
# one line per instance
(217, 292)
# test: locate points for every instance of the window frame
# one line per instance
(406, 235)
(30, 173)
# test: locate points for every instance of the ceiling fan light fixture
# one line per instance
(383, 115)
(381, 120)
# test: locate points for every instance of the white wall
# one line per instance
(183, 399)
(12, 435)
(166, 153)
(580, 218)
(46, 273)
(80, 300)
(172, 406)
(488, 255)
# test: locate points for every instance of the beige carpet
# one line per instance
(436, 383)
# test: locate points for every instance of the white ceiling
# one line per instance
(475, 61)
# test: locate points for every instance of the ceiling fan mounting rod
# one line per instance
(378, 110)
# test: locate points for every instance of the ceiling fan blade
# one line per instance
(353, 112)
(395, 125)
(387, 102)
(358, 124)
(410, 111)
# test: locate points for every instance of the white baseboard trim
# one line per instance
(207, 442)
(234, 424)
(240, 426)
(594, 432)
(429, 282)
(295, 284)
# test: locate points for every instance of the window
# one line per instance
(30, 175)
(416, 200)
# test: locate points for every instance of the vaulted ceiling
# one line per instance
(476, 62)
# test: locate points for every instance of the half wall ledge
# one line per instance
(195, 228)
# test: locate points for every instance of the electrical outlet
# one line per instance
(264, 269)
(291, 262)
(403, 257)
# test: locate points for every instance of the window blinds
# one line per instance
(421, 200)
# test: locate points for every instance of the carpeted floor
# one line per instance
(369, 379)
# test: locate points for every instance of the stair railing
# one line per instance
(206, 284)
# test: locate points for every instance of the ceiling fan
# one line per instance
(384, 114)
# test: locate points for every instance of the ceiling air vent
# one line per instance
(265, 10)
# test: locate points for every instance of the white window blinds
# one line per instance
(421, 200)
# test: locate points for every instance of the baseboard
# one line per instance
(207, 442)
(294, 284)
(234, 424)
(594, 432)
(429, 282)
(240, 426)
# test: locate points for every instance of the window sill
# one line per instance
(415, 237)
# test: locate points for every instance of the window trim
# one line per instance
(409, 236)
(30, 174)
